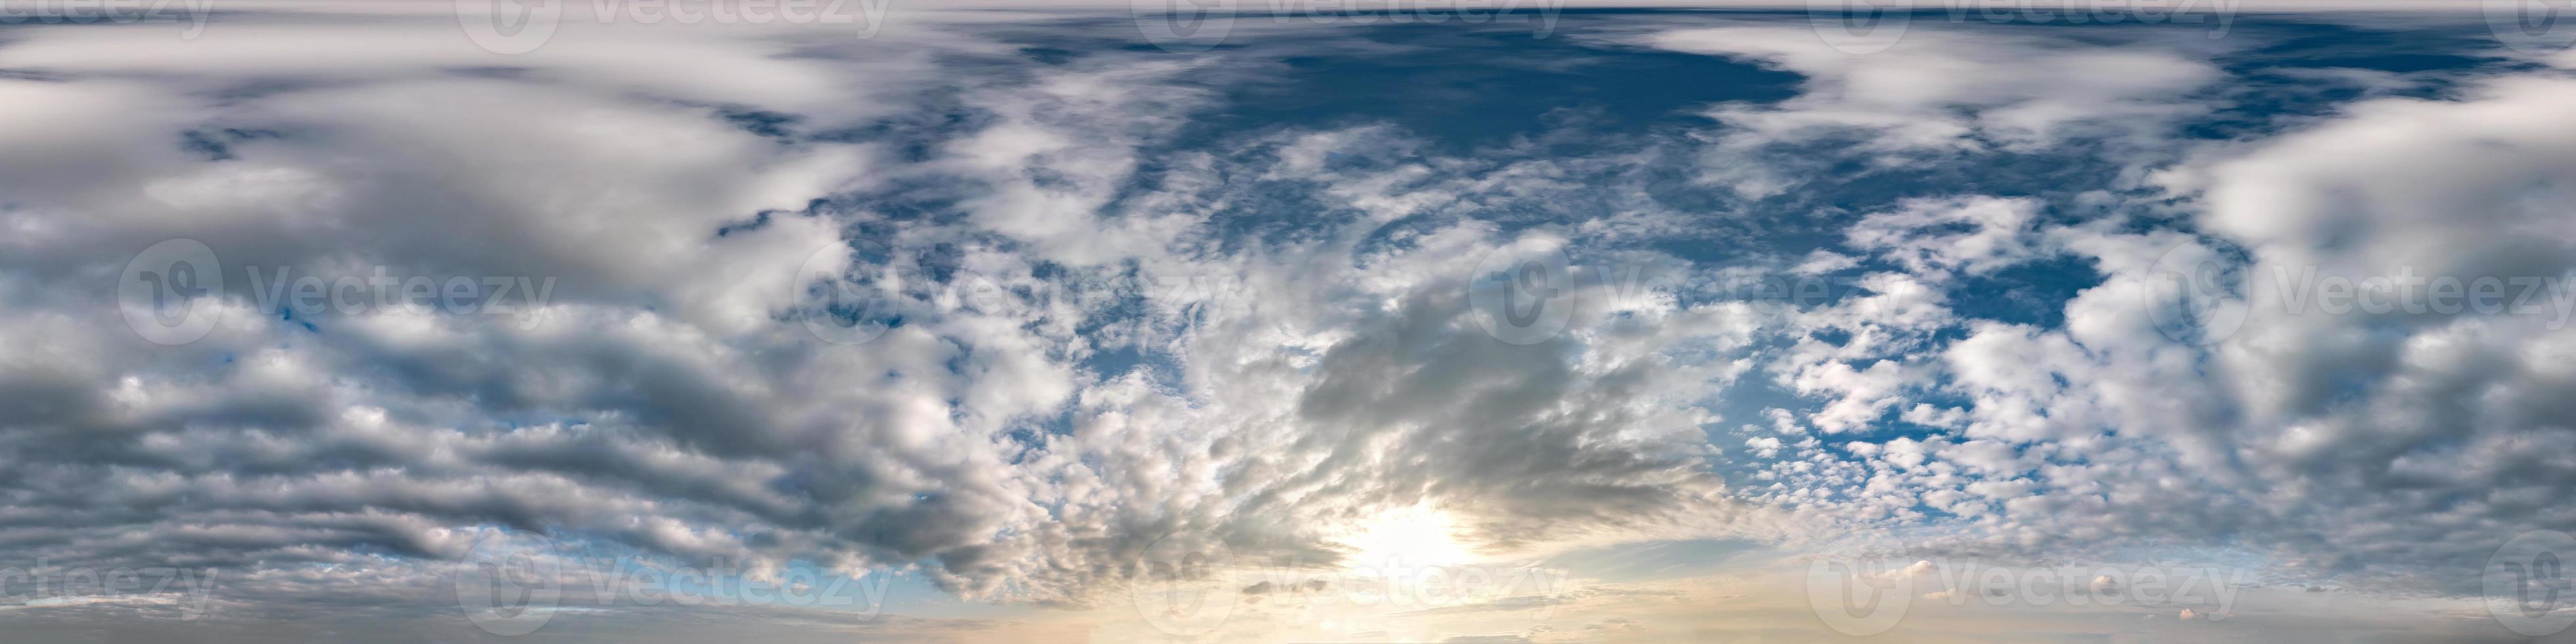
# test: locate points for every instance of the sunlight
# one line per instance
(1419, 535)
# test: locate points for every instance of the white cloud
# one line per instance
(1097, 348)
(1940, 92)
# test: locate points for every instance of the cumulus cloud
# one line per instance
(1938, 93)
(1087, 325)
(2336, 441)
(664, 393)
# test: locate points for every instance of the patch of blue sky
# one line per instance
(2301, 70)
(1465, 89)
(1484, 97)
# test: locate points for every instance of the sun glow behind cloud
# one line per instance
(1408, 537)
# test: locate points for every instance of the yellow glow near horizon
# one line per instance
(1407, 537)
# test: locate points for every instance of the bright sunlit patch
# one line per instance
(1408, 537)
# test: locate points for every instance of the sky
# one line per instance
(1511, 321)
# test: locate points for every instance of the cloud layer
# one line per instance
(1001, 307)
